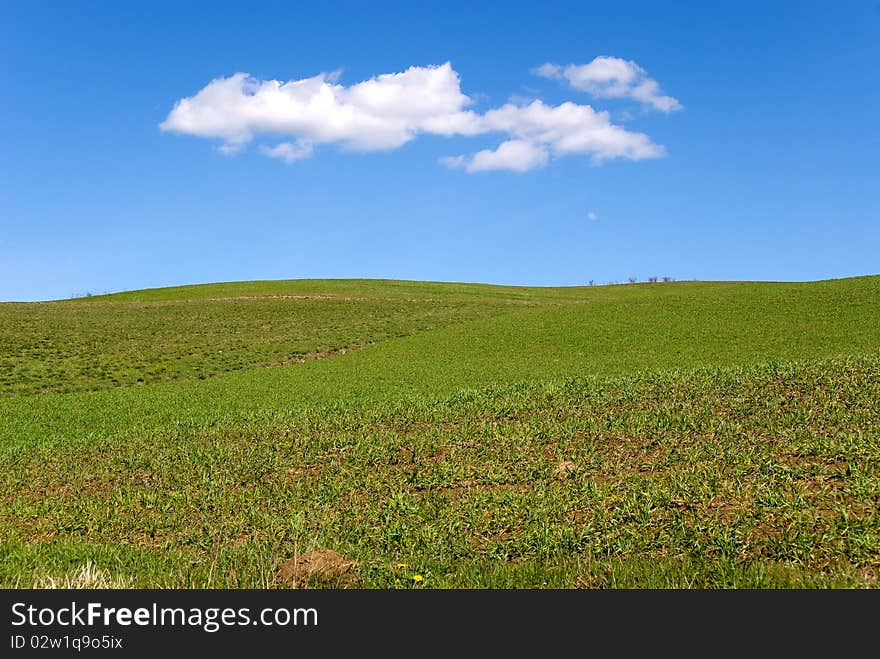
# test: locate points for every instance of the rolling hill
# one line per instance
(669, 434)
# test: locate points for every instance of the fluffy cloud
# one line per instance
(592, 216)
(571, 129)
(612, 77)
(387, 111)
(540, 130)
(512, 155)
(381, 113)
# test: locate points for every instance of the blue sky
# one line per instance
(770, 169)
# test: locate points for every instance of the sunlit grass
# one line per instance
(665, 435)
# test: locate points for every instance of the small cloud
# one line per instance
(454, 162)
(512, 156)
(230, 148)
(612, 77)
(287, 152)
(592, 216)
(549, 71)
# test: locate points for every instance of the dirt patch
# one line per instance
(324, 564)
(305, 471)
(814, 463)
(314, 356)
(564, 469)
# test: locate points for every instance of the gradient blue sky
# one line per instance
(772, 169)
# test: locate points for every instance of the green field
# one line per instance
(688, 434)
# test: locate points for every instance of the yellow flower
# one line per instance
(400, 565)
(418, 577)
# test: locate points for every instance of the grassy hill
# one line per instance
(684, 434)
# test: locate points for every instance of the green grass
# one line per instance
(760, 476)
(80, 346)
(714, 434)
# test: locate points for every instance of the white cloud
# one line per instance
(454, 162)
(571, 129)
(548, 70)
(540, 130)
(612, 77)
(288, 152)
(387, 111)
(381, 113)
(230, 148)
(592, 216)
(512, 156)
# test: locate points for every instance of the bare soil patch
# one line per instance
(324, 564)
